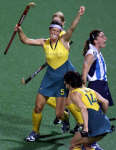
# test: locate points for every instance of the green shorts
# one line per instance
(52, 84)
(98, 123)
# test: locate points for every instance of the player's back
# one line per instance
(88, 98)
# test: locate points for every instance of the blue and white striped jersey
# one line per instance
(98, 69)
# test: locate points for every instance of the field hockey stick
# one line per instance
(112, 119)
(19, 24)
(34, 74)
(71, 42)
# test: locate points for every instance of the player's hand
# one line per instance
(17, 28)
(82, 10)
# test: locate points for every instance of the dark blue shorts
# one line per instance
(102, 88)
(98, 123)
(52, 84)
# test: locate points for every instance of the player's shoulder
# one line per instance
(62, 32)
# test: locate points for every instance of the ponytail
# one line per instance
(93, 36)
(86, 47)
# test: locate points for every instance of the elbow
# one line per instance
(107, 103)
(24, 40)
(72, 29)
(105, 106)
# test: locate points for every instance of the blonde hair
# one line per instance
(60, 15)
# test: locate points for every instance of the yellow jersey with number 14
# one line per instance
(88, 98)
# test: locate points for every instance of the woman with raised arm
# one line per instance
(56, 50)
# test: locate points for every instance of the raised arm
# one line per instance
(24, 39)
(68, 34)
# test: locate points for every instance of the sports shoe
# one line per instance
(76, 129)
(113, 128)
(65, 126)
(67, 111)
(96, 146)
(32, 137)
(65, 123)
(66, 115)
(57, 121)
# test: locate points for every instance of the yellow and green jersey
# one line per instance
(62, 32)
(88, 98)
(56, 55)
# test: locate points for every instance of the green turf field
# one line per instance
(17, 100)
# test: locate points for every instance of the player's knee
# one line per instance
(40, 102)
(38, 108)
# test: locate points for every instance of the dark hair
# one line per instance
(74, 79)
(56, 22)
(92, 36)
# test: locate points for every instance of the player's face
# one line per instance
(101, 40)
(54, 33)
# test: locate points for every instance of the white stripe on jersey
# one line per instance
(98, 71)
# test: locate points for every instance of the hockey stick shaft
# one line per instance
(112, 119)
(19, 23)
(34, 74)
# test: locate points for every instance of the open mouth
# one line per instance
(54, 36)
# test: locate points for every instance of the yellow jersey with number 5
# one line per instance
(88, 98)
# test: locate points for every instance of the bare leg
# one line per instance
(39, 103)
(36, 118)
(60, 103)
(78, 140)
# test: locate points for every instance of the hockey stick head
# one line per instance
(112, 119)
(23, 81)
(31, 4)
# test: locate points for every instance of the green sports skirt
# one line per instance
(52, 84)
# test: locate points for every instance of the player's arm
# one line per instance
(68, 34)
(76, 99)
(103, 101)
(24, 39)
(88, 61)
